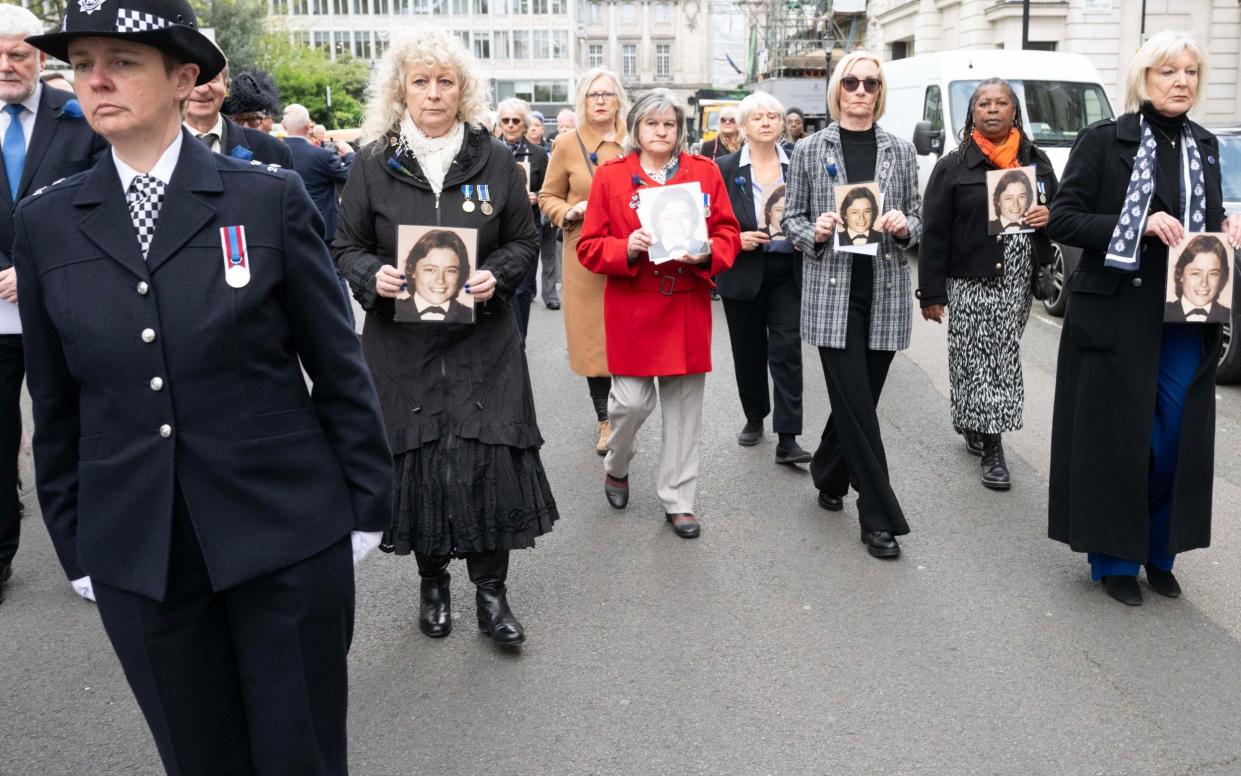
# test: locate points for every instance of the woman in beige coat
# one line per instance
(601, 107)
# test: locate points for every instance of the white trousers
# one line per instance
(630, 403)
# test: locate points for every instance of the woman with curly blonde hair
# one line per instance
(455, 396)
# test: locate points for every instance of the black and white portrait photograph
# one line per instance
(436, 262)
(1010, 193)
(523, 168)
(1199, 286)
(859, 206)
(773, 211)
(674, 215)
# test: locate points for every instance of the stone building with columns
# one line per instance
(1106, 31)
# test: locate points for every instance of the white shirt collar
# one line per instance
(1186, 306)
(31, 103)
(744, 160)
(217, 130)
(162, 170)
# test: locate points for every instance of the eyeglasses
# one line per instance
(727, 120)
(251, 120)
(600, 96)
(851, 82)
(510, 121)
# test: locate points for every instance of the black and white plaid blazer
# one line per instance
(825, 273)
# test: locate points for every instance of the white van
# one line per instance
(1060, 95)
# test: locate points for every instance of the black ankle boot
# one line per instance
(994, 468)
(435, 612)
(488, 571)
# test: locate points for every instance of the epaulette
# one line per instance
(49, 186)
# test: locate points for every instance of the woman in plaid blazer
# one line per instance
(855, 308)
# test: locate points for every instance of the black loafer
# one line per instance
(794, 454)
(685, 524)
(553, 305)
(880, 544)
(1163, 582)
(617, 490)
(831, 503)
(751, 435)
(1124, 589)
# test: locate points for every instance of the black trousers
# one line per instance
(764, 332)
(250, 681)
(524, 295)
(12, 372)
(851, 450)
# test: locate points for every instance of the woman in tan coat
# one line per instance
(601, 107)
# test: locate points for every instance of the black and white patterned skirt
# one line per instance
(986, 318)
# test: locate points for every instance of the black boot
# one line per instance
(488, 570)
(994, 468)
(973, 441)
(435, 613)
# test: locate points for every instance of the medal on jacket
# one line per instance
(236, 258)
(1042, 194)
(467, 205)
(706, 205)
(484, 196)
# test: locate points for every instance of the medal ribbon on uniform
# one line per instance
(467, 191)
(706, 205)
(484, 196)
(236, 257)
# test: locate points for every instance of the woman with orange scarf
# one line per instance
(983, 278)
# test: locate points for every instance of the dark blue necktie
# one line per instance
(14, 148)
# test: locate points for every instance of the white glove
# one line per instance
(364, 543)
(84, 588)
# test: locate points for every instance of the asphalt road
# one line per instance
(772, 645)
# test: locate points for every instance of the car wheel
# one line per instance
(1055, 304)
(1230, 356)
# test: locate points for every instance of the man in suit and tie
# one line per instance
(215, 504)
(321, 170)
(204, 119)
(42, 141)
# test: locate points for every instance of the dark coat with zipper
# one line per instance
(744, 279)
(465, 380)
(955, 214)
(1109, 361)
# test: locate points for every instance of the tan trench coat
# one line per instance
(569, 175)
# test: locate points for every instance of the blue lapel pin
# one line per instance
(241, 152)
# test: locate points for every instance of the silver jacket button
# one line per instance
(999, 265)
(157, 384)
(143, 287)
(148, 335)
(165, 431)
(832, 281)
(1137, 282)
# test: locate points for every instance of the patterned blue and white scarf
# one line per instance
(1125, 247)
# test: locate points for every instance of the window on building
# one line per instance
(521, 44)
(501, 44)
(560, 44)
(521, 6)
(1041, 45)
(628, 13)
(400, 7)
(421, 7)
(663, 12)
(592, 12)
(340, 44)
(629, 59)
(542, 46)
(460, 7)
(539, 7)
(300, 38)
(663, 60)
(340, 7)
(278, 7)
(318, 7)
(551, 91)
(594, 55)
(463, 36)
(560, 7)
(381, 43)
(323, 40)
(902, 49)
(299, 7)
(499, 7)
(481, 7)
(482, 45)
(439, 7)
(362, 45)
(360, 7)
(381, 7)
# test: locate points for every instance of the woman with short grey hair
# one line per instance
(657, 317)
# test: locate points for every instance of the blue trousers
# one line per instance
(1179, 358)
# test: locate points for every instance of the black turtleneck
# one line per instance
(1167, 155)
(858, 149)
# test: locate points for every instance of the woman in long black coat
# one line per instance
(1133, 434)
(456, 397)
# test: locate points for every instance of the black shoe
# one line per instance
(973, 442)
(880, 544)
(1163, 582)
(831, 503)
(435, 613)
(553, 305)
(1124, 589)
(793, 454)
(6, 573)
(496, 619)
(617, 490)
(685, 524)
(994, 467)
(751, 434)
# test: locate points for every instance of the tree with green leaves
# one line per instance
(304, 74)
(239, 28)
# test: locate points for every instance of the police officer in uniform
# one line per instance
(188, 477)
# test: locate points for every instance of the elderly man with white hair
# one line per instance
(321, 169)
(43, 138)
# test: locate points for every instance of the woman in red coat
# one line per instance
(657, 316)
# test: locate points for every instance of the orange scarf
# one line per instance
(1003, 155)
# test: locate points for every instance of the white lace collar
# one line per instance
(434, 154)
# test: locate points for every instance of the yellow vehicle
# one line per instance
(708, 118)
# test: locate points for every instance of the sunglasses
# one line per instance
(510, 121)
(851, 82)
(726, 120)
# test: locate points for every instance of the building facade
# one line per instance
(1108, 32)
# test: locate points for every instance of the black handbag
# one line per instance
(1041, 282)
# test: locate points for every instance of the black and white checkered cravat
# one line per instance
(145, 196)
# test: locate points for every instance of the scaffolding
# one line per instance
(793, 38)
